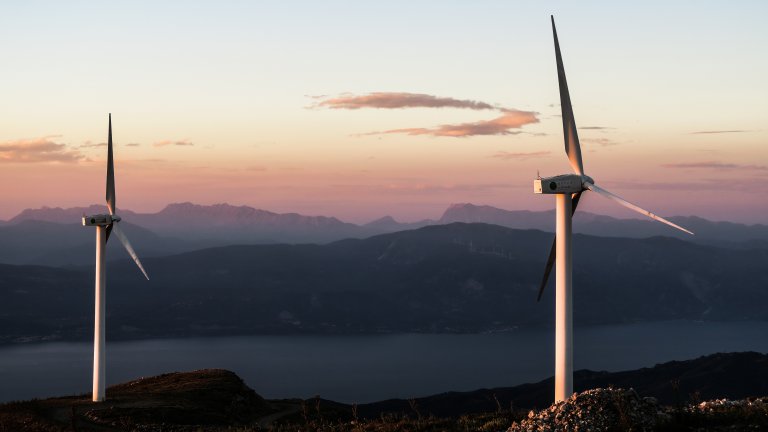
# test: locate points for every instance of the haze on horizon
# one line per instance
(364, 110)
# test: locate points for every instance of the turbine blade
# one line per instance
(109, 231)
(110, 172)
(548, 268)
(631, 206)
(552, 252)
(572, 147)
(124, 240)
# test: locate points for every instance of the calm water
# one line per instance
(367, 368)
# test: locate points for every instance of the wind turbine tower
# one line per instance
(105, 225)
(567, 189)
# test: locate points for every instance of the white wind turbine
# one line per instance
(105, 224)
(567, 189)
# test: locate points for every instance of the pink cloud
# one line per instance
(400, 100)
(512, 119)
(37, 150)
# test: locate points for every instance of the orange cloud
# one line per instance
(173, 143)
(400, 100)
(37, 150)
(512, 119)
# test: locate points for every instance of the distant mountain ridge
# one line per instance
(61, 215)
(187, 218)
(721, 233)
(184, 227)
(519, 219)
(194, 215)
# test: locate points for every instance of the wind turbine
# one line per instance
(105, 225)
(567, 189)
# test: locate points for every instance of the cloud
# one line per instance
(505, 155)
(595, 128)
(605, 142)
(173, 143)
(37, 150)
(89, 144)
(717, 166)
(401, 100)
(718, 132)
(512, 119)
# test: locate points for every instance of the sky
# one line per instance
(364, 109)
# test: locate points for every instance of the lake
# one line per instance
(372, 367)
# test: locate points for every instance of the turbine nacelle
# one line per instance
(561, 184)
(100, 220)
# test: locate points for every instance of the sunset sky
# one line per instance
(363, 109)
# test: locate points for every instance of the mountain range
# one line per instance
(443, 278)
(53, 236)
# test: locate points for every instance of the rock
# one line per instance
(594, 410)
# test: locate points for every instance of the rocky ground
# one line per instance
(624, 410)
(218, 400)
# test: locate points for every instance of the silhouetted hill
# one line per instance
(721, 375)
(443, 278)
(175, 401)
(218, 400)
